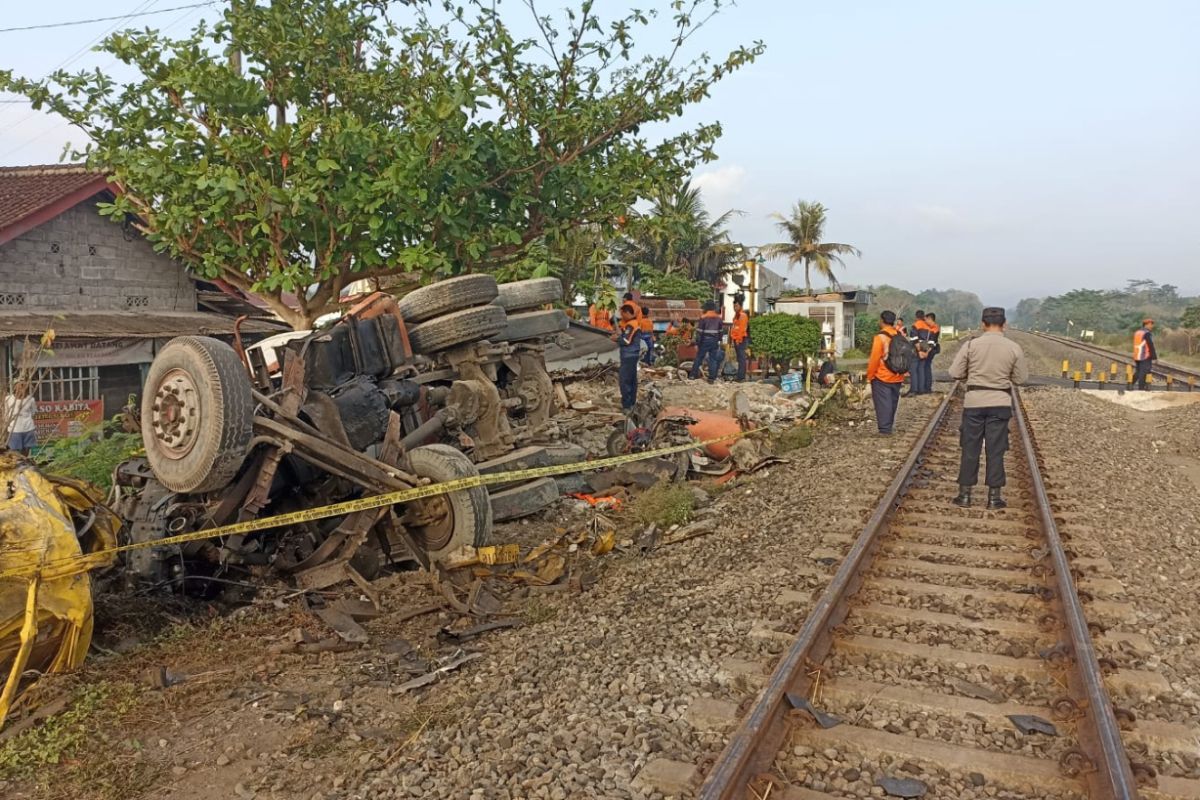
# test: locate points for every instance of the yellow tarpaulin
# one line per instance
(45, 622)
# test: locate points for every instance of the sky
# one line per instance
(1009, 147)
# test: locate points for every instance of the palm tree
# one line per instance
(804, 230)
(678, 235)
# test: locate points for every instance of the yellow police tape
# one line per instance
(64, 567)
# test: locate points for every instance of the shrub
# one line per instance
(92, 456)
(669, 357)
(674, 286)
(785, 336)
(665, 504)
(793, 439)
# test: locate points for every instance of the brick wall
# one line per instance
(82, 261)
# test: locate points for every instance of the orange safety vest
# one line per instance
(1141, 348)
(599, 319)
(740, 327)
(646, 324)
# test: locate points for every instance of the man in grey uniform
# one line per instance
(990, 365)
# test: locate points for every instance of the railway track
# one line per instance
(951, 648)
(1188, 378)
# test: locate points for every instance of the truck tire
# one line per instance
(532, 293)
(458, 327)
(445, 297)
(197, 414)
(451, 520)
(532, 324)
(523, 500)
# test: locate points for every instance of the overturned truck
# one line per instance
(441, 384)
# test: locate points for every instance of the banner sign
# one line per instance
(94, 352)
(58, 418)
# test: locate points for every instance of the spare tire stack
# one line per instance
(452, 312)
(523, 301)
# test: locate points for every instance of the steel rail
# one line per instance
(754, 746)
(757, 740)
(1111, 775)
(1160, 368)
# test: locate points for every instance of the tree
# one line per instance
(805, 228)
(678, 235)
(303, 144)
(674, 286)
(1189, 322)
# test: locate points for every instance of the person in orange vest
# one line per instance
(1144, 353)
(891, 358)
(599, 318)
(647, 326)
(629, 341)
(671, 329)
(935, 335)
(739, 334)
(922, 375)
(708, 342)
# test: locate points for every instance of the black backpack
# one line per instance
(900, 353)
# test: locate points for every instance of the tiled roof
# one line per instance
(24, 191)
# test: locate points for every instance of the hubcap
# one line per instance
(175, 419)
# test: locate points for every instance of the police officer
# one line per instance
(990, 365)
(1144, 353)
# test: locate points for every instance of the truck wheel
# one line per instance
(532, 324)
(522, 295)
(197, 414)
(444, 523)
(444, 297)
(459, 327)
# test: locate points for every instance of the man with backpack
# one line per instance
(892, 355)
(990, 365)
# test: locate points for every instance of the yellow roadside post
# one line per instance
(1101, 377)
(1087, 369)
(1078, 377)
(1066, 367)
(1129, 374)
(1113, 370)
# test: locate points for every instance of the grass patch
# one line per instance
(81, 746)
(793, 438)
(665, 504)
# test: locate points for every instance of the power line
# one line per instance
(104, 19)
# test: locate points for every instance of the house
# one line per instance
(110, 299)
(834, 310)
(759, 285)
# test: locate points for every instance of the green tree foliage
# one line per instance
(674, 286)
(678, 236)
(298, 145)
(785, 336)
(865, 327)
(1189, 323)
(1104, 310)
(805, 228)
(954, 307)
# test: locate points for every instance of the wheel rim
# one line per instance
(431, 522)
(175, 420)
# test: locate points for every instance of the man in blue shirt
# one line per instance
(629, 341)
(708, 342)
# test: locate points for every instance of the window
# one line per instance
(12, 298)
(848, 330)
(136, 300)
(825, 315)
(67, 383)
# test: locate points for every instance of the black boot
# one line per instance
(964, 497)
(994, 498)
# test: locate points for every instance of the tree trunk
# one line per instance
(807, 280)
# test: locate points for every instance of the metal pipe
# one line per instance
(430, 427)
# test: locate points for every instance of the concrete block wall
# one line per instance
(84, 262)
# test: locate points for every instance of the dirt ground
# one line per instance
(593, 681)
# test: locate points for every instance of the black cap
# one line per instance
(993, 315)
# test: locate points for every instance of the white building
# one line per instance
(834, 310)
(760, 286)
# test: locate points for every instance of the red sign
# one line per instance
(58, 418)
